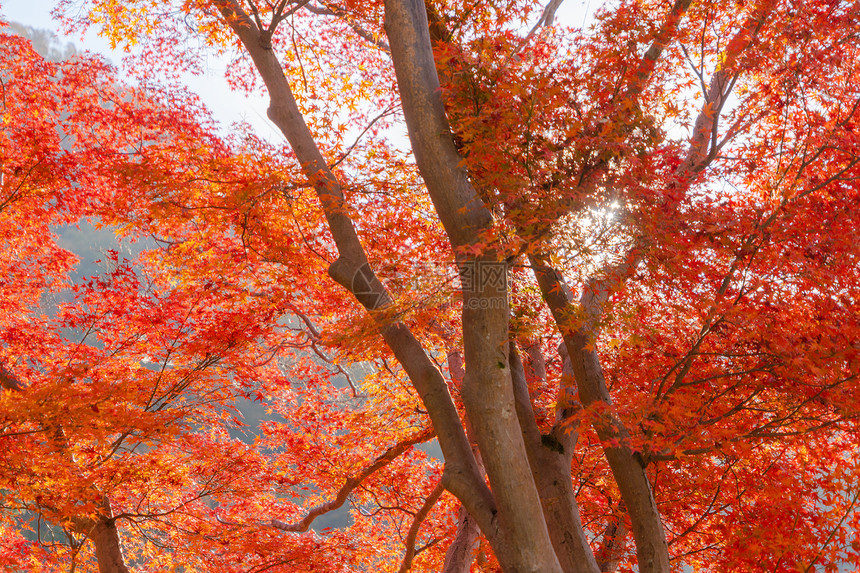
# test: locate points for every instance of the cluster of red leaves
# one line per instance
(731, 353)
(129, 387)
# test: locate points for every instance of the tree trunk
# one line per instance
(487, 389)
(550, 457)
(105, 537)
(108, 548)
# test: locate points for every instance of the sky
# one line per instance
(225, 105)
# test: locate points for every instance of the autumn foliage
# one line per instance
(613, 272)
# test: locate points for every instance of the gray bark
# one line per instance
(487, 392)
(550, 457)
(652, 550)
(352, 270)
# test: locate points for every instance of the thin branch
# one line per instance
(416, 524)
(338, 368)
(346, 489)
(22, 433)
(256, 13)
(545, 20)
(387, 111)
(280, 16)
(364, 34)
(827, 541)
(661, 40)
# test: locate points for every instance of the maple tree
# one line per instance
(613, 271)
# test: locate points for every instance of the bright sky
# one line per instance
(227, 106)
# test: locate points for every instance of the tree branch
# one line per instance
(416, 525)
(579, 325)
(613, 541)
(358, 29)
(661, 40)
(380, 462)
(458, 558)
(352, 271)
(703, 148)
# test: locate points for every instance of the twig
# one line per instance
(416, 525)
(346, 489)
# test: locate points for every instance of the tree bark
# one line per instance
(105, 537)
(461, 553)
(462, 476)
(487, 391)
(550, 457)
(652, 550)
(108, 548)
(614, 541)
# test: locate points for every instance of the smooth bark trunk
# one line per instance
(487, 391)
(462, 476)
(550, 457)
